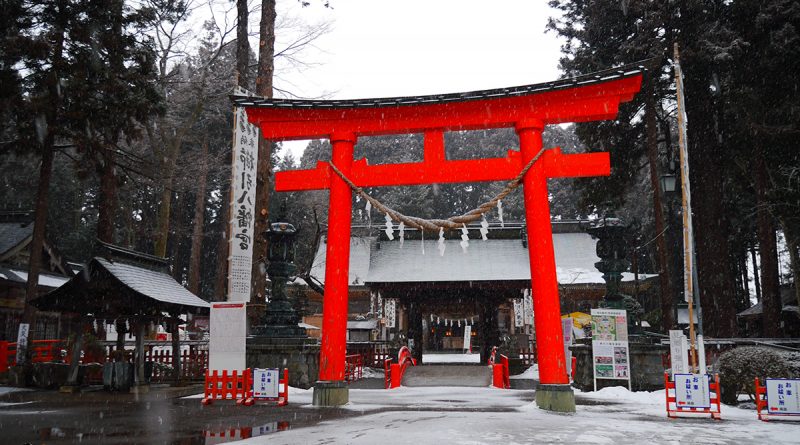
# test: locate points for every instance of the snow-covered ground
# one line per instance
(461, 415)
(450, 358)
(531, 373)
(8, 389)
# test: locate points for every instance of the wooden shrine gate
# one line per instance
(528, 109)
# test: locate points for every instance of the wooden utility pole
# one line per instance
(689, 271)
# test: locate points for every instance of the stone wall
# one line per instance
(300, 356)
(647, 368)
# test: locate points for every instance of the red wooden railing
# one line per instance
(353, 367)
(193, 361)
(41, 351)
(500, 373)
(393, 372)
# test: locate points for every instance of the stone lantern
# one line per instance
(281, 318)
(612, 248)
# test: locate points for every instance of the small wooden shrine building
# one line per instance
(130, 289)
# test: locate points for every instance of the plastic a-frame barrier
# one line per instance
(238, 386)
(675, 411)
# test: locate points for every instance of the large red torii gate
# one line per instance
(527, 109)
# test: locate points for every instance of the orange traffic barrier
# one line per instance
(785, 389)
(714, 397)
(239, 387)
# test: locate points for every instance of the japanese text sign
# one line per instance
(783, 396)
(242, 205)
(265, 383)
(692, 391)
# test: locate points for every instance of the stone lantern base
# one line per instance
(299, 355)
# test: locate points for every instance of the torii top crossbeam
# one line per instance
(527, 109)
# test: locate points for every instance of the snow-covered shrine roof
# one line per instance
(383, 261)
(21, 276)
(12, 235)
(156, 285)
(122, 282)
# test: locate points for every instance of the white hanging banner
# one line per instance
(519, 316)
(468, 337)
(527, 302)
(22, 342)
(566, 328)
(242, 203)
(390, 313)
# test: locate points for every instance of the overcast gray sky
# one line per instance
(381, 48)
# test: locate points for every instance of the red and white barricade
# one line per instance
(693, 385)
(778, 398)
(243, 388)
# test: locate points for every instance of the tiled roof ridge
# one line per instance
(114, 253)
(569, 82)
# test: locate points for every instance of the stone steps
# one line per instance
(448, 375)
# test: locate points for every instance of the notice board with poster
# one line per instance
(228, 334)
(610, 351)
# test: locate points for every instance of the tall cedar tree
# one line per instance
(608, 33)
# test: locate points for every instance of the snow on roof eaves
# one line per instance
(156, 285)
(359, 260)
(492, 260)
(12, 234)
(21, 276)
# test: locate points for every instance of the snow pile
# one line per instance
(530, 373)
(620, 394)
(372, 373)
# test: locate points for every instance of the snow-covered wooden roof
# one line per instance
(384, 261)
(122, 282)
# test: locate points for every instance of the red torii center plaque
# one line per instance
(528, 109)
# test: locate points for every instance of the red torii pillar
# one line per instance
(528, 109)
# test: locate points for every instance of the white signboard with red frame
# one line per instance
(783, 396)
(692, 391)
(266, 383)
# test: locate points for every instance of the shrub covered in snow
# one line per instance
(739, 367)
